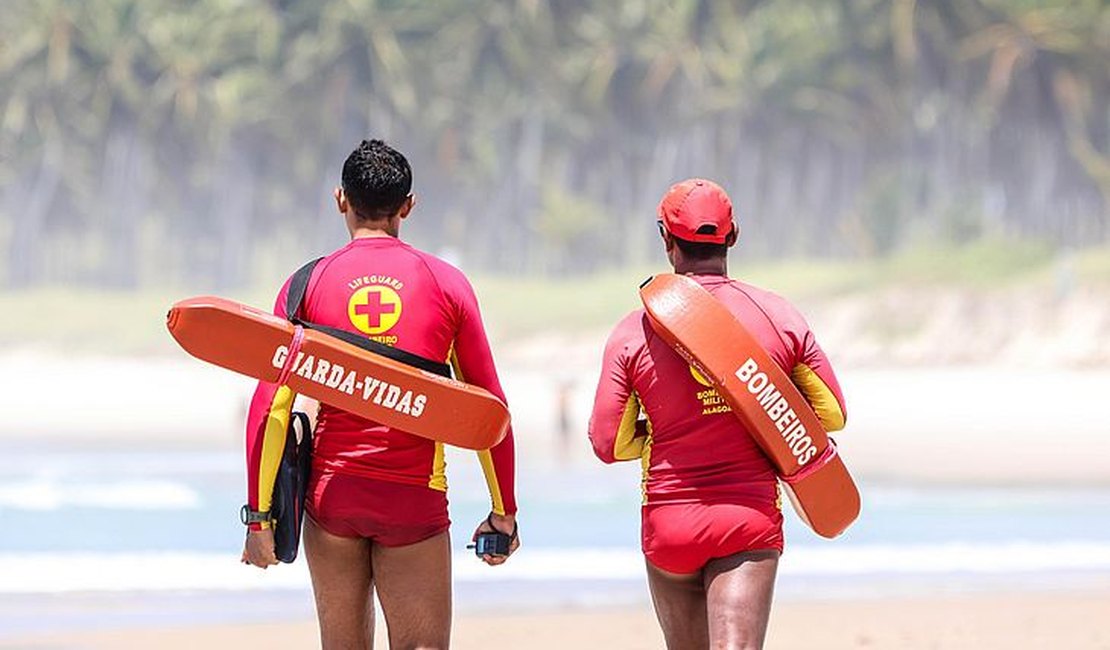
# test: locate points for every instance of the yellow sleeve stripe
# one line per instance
(486, 459)
(645, 464)
(438, 480)
(627, 446)
(819, 396)
(273, 444)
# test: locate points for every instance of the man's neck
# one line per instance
(367, 232)
(702, 267)
(365, 228)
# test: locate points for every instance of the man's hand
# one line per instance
(501, 524)
(259, 548)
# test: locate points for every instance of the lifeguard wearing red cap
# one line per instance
(697, 210)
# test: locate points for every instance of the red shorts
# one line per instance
(683, 537)
(390, 514)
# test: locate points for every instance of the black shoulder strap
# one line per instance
(298, 287)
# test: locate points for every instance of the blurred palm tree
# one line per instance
(164, 141)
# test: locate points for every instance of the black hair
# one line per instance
(376, 179)
(697, 250)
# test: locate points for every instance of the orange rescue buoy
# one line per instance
(706, 334)
(260, 345)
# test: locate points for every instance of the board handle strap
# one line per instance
(825, 458)
(291, 357)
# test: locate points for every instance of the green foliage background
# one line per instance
(173, 142)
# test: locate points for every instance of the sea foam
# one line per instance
(26, 573)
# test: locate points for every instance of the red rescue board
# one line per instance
(257, 344)
(707, 335)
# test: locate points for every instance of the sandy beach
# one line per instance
(988, 621)
(951, 422)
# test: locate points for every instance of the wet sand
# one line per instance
(987, 621)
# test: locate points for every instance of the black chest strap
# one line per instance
(294, 301)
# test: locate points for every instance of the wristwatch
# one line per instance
(248, 516)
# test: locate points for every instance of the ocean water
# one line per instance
(127, 534)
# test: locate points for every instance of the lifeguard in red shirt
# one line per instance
(711, 519)
(377, 503)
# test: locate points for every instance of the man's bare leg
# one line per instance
(414, 587)
(679, 601)
(738, 590)
(343, 582)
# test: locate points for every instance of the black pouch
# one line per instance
(495, 543)
(290, 486)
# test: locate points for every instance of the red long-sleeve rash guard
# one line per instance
(391, 292)
(691, 447)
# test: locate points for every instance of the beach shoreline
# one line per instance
(1073, 619)
(958, 425)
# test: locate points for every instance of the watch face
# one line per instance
(248, 516)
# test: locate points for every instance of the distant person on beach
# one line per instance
(377, 497)
(711, 520)
(564, 394)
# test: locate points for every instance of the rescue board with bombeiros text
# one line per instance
(260, 345)
(762, 396)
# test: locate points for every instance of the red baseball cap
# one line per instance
(697, 210)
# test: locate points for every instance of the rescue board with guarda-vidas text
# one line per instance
(762, 396)
(260, 345)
